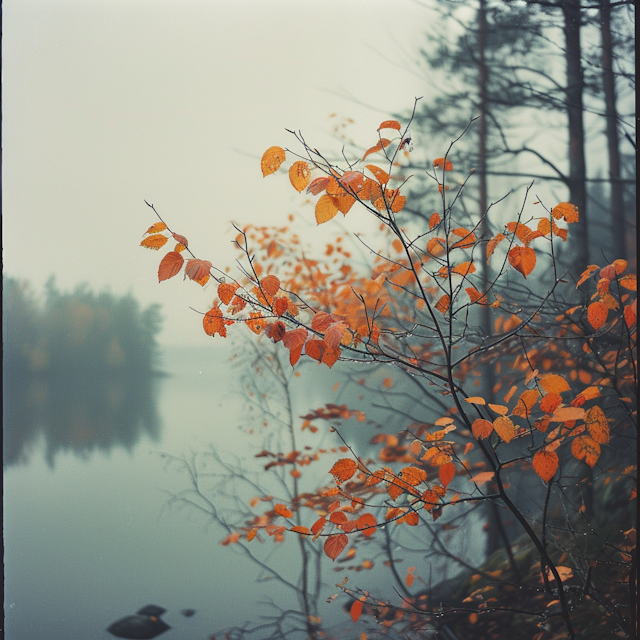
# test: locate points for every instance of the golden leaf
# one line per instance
(299, 175)
(272, 158)
(326, 208)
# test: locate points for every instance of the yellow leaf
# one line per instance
(567, 211)
(326, 208)
(299, 175)
(505, 428)
(272, 158)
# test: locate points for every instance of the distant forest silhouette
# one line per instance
(79, 370)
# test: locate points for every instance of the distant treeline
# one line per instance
(76, 333)
(79, 372)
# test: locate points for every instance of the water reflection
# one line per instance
(80, 415)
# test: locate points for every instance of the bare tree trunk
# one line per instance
(577, 164)
(616, 198)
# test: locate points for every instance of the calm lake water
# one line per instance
(88, 534)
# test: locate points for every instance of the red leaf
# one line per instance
(318, 526)
(446, 473)
(356, 610)
(197, 269)
(226, 292)
(318, 185)
(334, 545)
(181, 239)
(366, 523)
(270, 285)
(170, 265)
(276, 331)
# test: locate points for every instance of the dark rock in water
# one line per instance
(145, 624)
(187, 613)
(151, 610)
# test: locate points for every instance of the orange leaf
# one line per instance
(335, 544)
(270, 285)
(251, 534)
(629, 282)
(436, 246)
(597, 314)
(566, 414)
(434, 220)
(493, 243)
(505, 428)
(283, 511)
(446, 473)
(499, 408)
(326, 208)
(523, 259)
(597, 425)
(315, 349)
(156, 228)
(298, 529)
(468, 238)
(554, 383)
(343, 469)
(318, 525)
(226, 292)
(526, 402)
(154, 242)
(410, 577)
(170, 265)
(256, 322)
(213, 323)
(356, 610)
(438, 163)
(567, 211)
(390, 124)
(443, 304)
(299, 175)
(586, 448)
(378, 147)
(545, 464)
(550, 402)
(197, 269)
(481, 428)
(413, 475)
(272, 158)
(366, 524)
(381, 176)
(482, 477)
(475, 400)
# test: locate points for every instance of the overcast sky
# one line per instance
(110, 102)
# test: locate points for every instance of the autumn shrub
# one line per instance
(552, 443)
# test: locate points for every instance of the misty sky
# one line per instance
(110, 102)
